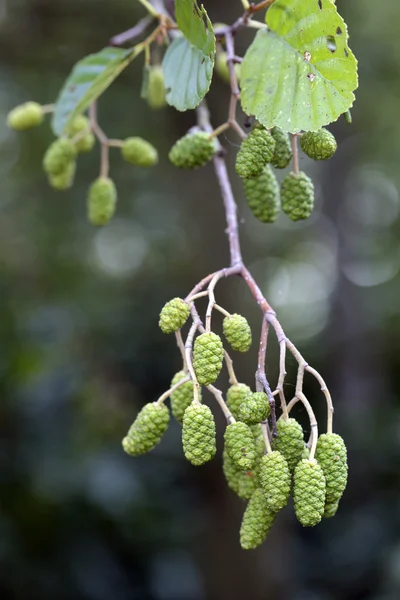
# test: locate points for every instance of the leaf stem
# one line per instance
(150, 9)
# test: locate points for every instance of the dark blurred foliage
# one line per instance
(80, 349)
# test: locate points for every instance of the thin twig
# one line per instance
(220, 399)
(172, 389)
(295, 152)
(130, 35)
(181, 346)
(188, 356)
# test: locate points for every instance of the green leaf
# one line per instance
(89, 78)
(300, 74)
(189, 61)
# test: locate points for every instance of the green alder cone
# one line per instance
(235, 396)
(297, 196)
(290, 441)
(25, 116)
(283, 149)
(319, 145)
(58, 156)
(147, 429)
(139, 152)
(331, 509)
(243, 483)
(101, 201)
(331, 453)
(193, 150)
(63, 181)
(257, 521)
(208, 355)
(254, 409)
(79, 125)
(309, 491)
(255, 152)
(258, 439)
(237, 332)
(173, 315)
(155, 92)
(182, 397)
(306, 452)
(198, 434)
(275, 480)
(263, 196)
(239, 443)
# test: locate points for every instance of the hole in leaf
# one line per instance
(339, 31)
(311, 76)
(320, 4)
(331, 43)
(346, 53)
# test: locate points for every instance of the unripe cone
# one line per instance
(239, 443)
(330, 510)
(25, 116)
(182, 397)
(173, 315)
(263, 196)
(237, 332)
(331, 453)
(290, 441)
(63, 180)
(147, 429)
(235, 396)
(208, 354)
(319, 145)
(258, 440)
(101, 201)
(255, 152)
(198, 434)
(58, 156)
(283, 149)
(193, 150)
(297, 196)
(257, 521)
(243, 483)
(309, 490)
(80, 125)
(155, 92)
(275, 480)
(139, 152)
(306, 452)
(254, 409)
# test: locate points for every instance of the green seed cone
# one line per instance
(182, 397)
(173, 315)
(155, 92)
(254, 409)
(193, 150)
(147, 429)
(79, 125)
(283, 149)
(331, 454)
(239, 443)
(263, 196)
(330, 509)
(290, 441)
(25, 116)
(139, 152)
(235, 396)
(255, 152)
(309, 490)
(275, 480)
(237, 332)
(297, 196)
(257, 521)
(319, 145)
(258, 441)
(208, 354)
(306, 452)
(63, 180)
(243, 483)
(101, 201)
(58, 156)
(198, 434)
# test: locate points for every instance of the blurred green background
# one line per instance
(81, 351)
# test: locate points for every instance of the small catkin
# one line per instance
(58, 156)
(65, 179)
(243, 483)
(263, 195)
(139, 152)
(173, 315)
(182, 397)
(239, 443)
(254, 409)
(237, 332)
(331, 509)
(198, 434)
(208, 355)
(147, 429)
(257, 521)
(80, 125)
(297, 196)
(193, 150)
(283, 149)
(309, 491)
(155, 87)
(255, 152)
(290, 441)
(331, 453)
(318, 145)
(101, 201)
(275, 480)
(25, 116)
(235, 396)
